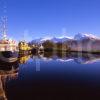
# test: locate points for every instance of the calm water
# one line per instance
(54, 77)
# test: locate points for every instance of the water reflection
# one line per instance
(78, 57)
(8, 71)
(24, 59)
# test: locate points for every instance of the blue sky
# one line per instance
(40, 18)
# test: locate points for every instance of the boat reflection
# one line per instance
(7, 72)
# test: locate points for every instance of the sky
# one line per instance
(30, 19)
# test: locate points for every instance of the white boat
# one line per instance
(8, 47)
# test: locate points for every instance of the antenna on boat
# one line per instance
(4, 30)
(4, 21)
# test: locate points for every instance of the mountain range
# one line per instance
(80, 42)
(79, 36)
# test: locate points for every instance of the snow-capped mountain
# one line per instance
(78, 37)
(60, 39)
(81, 36)
(53, 39)
(81, 42)
(85, 42)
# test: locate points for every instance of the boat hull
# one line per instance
(8, 56)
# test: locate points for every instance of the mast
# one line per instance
(4, 28)
(4, 21)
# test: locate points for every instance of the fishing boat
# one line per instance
(8, 47)
(8, 51)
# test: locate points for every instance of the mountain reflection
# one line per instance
(82, 58)
(9, 71)
(78, 57)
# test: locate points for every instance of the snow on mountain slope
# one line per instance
(81, 36)
(53, 39)
(56, 39)
(77, 37)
